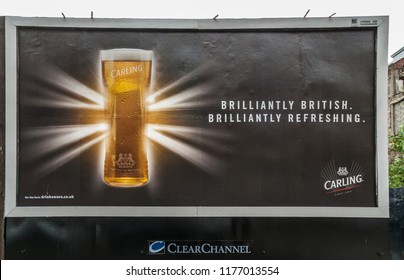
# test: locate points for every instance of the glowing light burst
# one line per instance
(65, 157)
(60, 90)
(186, 141)
(68, 83)
(184, 99)
(192, 154)
(53, 99)
(57, 145)
(177, 83)
(209, 137)
(51, 138)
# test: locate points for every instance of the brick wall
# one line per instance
(396, 104)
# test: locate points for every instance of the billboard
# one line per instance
(268, 117)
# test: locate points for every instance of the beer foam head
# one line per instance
(126, 54)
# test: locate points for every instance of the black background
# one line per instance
(265, 164)
(128, 238)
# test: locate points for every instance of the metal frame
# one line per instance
(12, 24)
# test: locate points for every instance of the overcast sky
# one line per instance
(211, 8)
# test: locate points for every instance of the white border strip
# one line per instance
(193, 211)
(10, 116)
(382, 162)
(382, 211)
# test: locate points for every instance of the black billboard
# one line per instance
(234, 120)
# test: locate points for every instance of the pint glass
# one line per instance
(126, 75)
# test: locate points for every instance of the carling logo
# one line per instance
(157, 247)
(342, 179)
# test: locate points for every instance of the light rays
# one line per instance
(53, 99)
(201, 136)
(191, 153)
(52, 146)
(65, 157)
(51, 138)
(189, 92)
(69, 84)
(60, 90)
(153, 97)
(189, 98)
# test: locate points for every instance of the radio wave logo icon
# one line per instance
(157, 247)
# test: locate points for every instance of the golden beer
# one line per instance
(126, 75)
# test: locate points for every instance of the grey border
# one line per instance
(382, 209)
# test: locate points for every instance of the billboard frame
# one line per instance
(11, 118)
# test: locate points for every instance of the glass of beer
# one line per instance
(126, 75)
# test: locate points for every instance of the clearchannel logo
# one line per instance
(157, 247)
(198, 247)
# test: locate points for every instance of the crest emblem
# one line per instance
(125, 161)
(342, 171)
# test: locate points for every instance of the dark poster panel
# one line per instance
(129, 238)
(235, 118)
